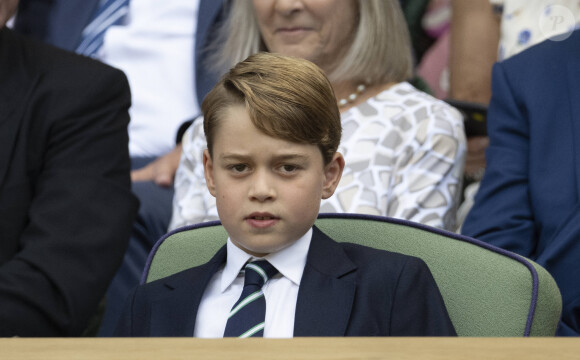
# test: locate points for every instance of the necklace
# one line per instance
(352, 97)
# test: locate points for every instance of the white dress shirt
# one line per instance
(155, 50)
(280, 292)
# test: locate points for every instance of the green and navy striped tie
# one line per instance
(247, 316)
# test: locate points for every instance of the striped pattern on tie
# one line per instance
(110, 12)
(246, 319)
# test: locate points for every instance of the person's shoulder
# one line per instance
(540, 69)
(370, 262)
(550, 51)
(419, 111)
(422, 105)
(366, 257)
(49, 61)
(385, 268)
(59, 74)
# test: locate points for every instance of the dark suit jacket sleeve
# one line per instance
(418, 307)
(81, 208)
(502, 214)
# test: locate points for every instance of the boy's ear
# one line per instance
(208, 172)
(332, 174)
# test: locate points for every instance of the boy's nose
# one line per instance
(261, 188)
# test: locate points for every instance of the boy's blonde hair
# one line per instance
(286, 98)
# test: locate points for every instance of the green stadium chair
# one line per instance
(488, 291)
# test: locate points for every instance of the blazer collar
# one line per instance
(327, 290)
(323, 308)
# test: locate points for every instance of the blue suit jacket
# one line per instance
(529, 199)
(61, 22)
(346, 290)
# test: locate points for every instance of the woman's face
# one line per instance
(317, 30)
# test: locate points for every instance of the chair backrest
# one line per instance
(488, 291)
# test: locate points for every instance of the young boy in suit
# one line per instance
(273, 128)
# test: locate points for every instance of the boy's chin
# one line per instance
(257, 251)
(261, 251)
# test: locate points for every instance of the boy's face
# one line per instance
(267, 190)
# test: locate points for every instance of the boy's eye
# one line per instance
(238, 168)
(288, 168)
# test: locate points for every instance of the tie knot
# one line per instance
(258, 272)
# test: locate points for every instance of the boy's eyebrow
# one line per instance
(291, 157)
(280, 157)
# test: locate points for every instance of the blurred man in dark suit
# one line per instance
(161, 47)
(66, 206)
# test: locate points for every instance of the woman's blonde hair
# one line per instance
(380, 52)
(286, 98)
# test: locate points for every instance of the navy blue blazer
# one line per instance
(529, 199)
(346, 290)
(61, 23)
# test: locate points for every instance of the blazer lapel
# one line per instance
(574, 94)
(174, 312)
(327, 290)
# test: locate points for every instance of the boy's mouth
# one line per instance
(261, 216)
(262, 220)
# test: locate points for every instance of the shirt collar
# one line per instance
(290, 261)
